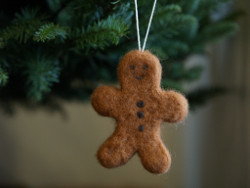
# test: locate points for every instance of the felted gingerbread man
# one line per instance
(139, 107)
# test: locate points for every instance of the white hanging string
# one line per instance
(138, 28)
(149, 25)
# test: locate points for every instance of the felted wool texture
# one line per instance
(139, 107)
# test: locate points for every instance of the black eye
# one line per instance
(132, 67)
(145, 66)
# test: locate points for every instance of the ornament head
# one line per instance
(139, 70)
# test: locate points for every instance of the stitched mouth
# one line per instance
(138, 77)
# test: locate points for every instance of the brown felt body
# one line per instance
(139, 107)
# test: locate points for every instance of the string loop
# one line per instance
(138, 27)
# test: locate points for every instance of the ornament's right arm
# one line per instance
(105, 100)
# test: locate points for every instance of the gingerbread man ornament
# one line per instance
(139, 107)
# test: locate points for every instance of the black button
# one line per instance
(140, 104)
(140, 114)
(141, 128)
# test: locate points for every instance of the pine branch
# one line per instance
(23, 26)
(172, 22)
(171, 8)
(41, 73)
(124, 12)
(101, 34)
(49, 32)
(174, 48)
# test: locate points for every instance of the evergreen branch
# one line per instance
(48, 32)
(165, 13)
(101, 33)
(173, 23)
(124, 13)
(20, 32)
(41, 73)
(175, 47)
(170, 48)
(172, 8)
(22, 27)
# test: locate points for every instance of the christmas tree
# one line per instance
(65, 48)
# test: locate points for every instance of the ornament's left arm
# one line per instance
(105, 99)
(174, 106)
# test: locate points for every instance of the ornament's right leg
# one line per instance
(154, 156)
(117, 150)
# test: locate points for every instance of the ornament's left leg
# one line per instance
(117, 150)
(154, 156)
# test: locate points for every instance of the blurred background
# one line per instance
(54, 53)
